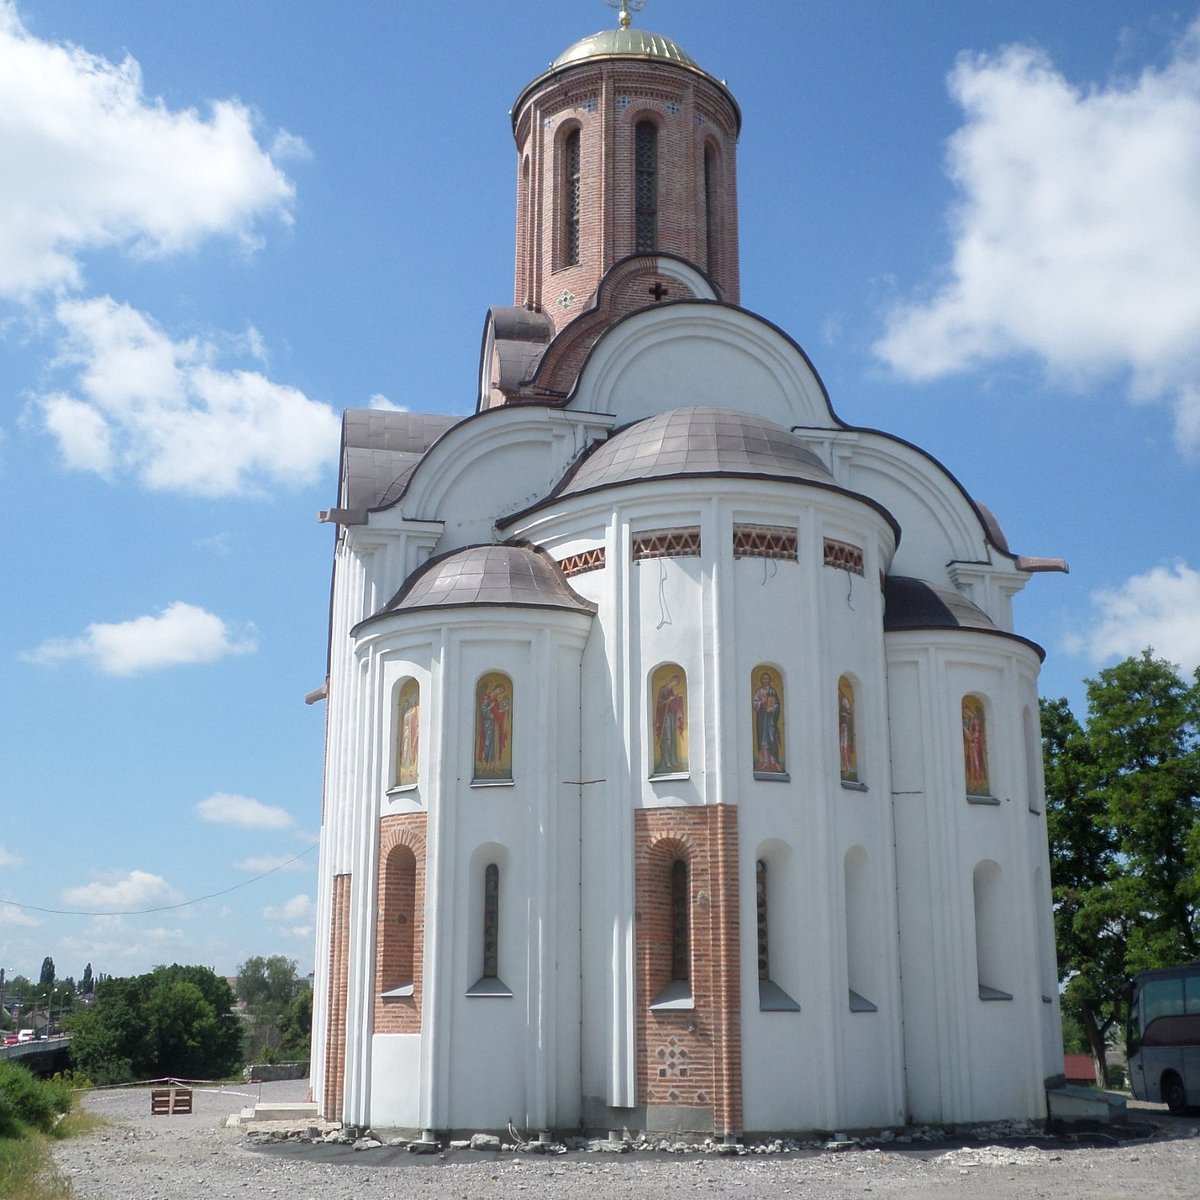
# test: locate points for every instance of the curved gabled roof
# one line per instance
(503, 575)
(697, 441)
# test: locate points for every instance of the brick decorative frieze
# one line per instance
(764, 541)
(667, 543)
(844, 556)
(585, 560)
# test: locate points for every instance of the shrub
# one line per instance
(27, 1102)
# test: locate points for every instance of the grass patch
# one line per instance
(34, 1113)
(27, 1170)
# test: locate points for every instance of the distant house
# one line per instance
(1079, 1069)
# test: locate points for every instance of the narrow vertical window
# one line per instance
(397, 926)
(646, 186)
(771, 997)
(491, 921)
(570, 200)
(484, 930)
(991, 922)
(681, 932)
(710, 209)
(760, 901)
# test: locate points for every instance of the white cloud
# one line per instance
(91, 162)
(12, 917)
(295, 909)
(166, 413)
(180, 634)
(1075, 238)
(8, 859)
(1160, 609)
(134, 891)
(381, 403)
(263, 863)
(224, 808)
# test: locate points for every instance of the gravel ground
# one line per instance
(185, 1157)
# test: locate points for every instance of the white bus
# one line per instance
(1162, 1038)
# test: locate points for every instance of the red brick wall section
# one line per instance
(626, 290)
(339, 971)
(690, 1059)
(400, 927)
(605, 100)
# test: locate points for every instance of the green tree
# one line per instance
(47, 976)
(1123, 817)
(295, 1026)
(85, 984)
(267, 986)
(173, 1021)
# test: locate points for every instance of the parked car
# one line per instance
(10, 1039)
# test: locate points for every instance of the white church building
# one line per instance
(683, 767)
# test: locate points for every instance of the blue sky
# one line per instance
(223, 223)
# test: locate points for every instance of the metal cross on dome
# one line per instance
(626, 7)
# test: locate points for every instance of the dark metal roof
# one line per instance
(505, 575)
(698, 441)
(917, 604)
(380, 450)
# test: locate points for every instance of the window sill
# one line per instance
(668, 776)
(861, 1003)
(991, 993)
(852, 785)
(772, 998)
(1047, 999)
(486, 783)
(490, 986)
(773, 776)
(675, 997)
(993, 800)
(402, 789)
(405, 989)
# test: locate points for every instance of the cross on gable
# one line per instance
(658, 291)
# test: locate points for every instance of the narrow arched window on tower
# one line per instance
(570, 199)
(645, 141)
(681, 932)
(491, 921)
(760, 898)
(710, 208)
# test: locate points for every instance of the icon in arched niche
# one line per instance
(408, 732)
(493, 727)
(975, 755)
(669, 727)
(847, 732)
(766, 707)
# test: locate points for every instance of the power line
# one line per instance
(139, 912)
